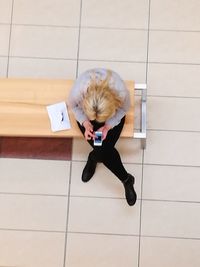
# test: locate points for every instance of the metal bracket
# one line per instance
(142, 134)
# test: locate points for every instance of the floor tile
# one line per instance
(96, 215)
(33, 212)
(170, 219)
(125, 45)
(31, 249)
(34, 176)
(129, 149)
(174, 47)
(44, 42)
(42, 68)
(156, 252)
(119, 14)
(4, 39)
(3, 66)
(175, 15)
(36, 148)
(179, 114)
(104, 183)
(172, 148)
(43, 12)
(5, 11)
(163, 229)
(127, 70)
(173, 80)
(171, 183)
(118, 250)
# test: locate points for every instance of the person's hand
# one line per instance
(104, 129)
(88, 130)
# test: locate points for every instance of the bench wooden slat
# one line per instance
(23, 107)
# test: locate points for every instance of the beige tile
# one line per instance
(4, 39)
(5, 11)
(174, 47)
(3, 66)
(175, 15)
(47, 12)
(172, 148)
(121, 14)
(104, 183)
(42, 68)
(167, 113)
(44, 42)
(171, 183)
(34, 176)
(127, 70)
(96, 215)
(101, 250)
(174, 80)
(33, 212)
(129, 149)
(31, 249)
(125, 45)
(170, 219)
(157, 252)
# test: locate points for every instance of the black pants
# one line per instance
(107, 153)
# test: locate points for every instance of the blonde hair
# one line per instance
(100, 102)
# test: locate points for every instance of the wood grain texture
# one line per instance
(23, 107)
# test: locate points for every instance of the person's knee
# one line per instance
(98, 154)
(108, 152)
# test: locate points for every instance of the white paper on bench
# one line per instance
(59, 117)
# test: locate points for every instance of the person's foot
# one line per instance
(130, 193)
(89, 170)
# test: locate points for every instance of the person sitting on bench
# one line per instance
(99, 100)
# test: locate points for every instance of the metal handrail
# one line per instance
(142, 134)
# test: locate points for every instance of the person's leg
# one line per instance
(90, 166)
(107, 153)
(112, 160)
(110, 157)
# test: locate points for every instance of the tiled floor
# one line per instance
(48, 217)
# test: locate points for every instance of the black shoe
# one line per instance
(130, 193)
(89, 170)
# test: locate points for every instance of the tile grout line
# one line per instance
(107, 60)
(32, 230)
(143, 152)
(149, 164)
(175, 97)
(102, 197)
(103, 27)
(9, 44)
(67, 222)
(100, 233)
(67, 217)
(79, 38)
(135, 235)
(140, 225)
(172, 130)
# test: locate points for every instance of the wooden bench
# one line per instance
(23, 108)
